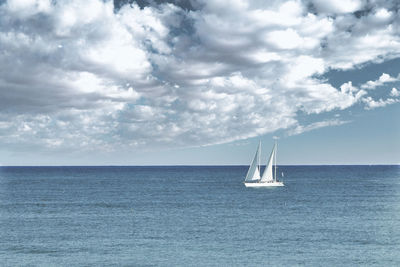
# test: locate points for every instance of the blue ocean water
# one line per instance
(199, 216)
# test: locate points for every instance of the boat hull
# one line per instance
(269, 184)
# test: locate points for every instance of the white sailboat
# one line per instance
(268, 178)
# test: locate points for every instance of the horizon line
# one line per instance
(201, 165)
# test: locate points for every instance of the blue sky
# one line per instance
(199, 82)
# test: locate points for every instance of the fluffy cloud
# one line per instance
(371, 103)
(384, 78)
(84, 74)
(394, 92)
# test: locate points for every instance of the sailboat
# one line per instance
(253, 178)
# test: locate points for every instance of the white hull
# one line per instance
(268, 184)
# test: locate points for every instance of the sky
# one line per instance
(199, 82)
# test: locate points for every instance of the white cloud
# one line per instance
(163, 76)
(394, 92)
(384, 78)
(299, 129)
(303, 68)
(371, 103)
(26, 8)
(286, 39)
(383, 15)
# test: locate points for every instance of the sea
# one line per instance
(199, 216)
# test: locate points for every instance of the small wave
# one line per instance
(31, 250)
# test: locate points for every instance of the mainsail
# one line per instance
(268, 174)
(254, 172)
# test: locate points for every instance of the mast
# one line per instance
(259, 162)
(276, 148)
